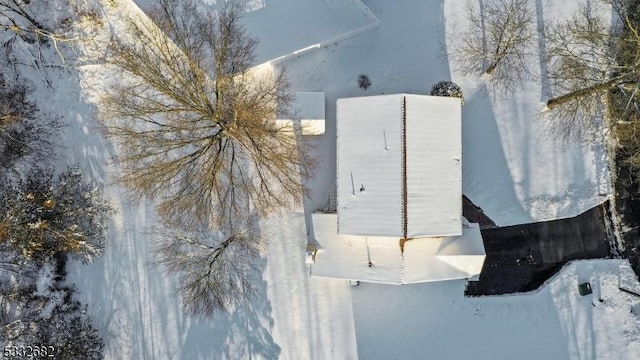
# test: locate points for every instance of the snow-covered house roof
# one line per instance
(308, 25)
(399, 166)
(308, 108)
(399, 214)
(391, 260)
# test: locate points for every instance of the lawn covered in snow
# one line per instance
(511, 168)
(434, 320)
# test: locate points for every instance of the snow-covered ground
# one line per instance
(514, 167)
(292, 317)
(511, 168)
(434, 320)
(135, 306)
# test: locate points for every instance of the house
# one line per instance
(399, 194)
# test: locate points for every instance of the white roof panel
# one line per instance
(309, 105)
(423, 259)
(444, 258)
(371, 177)
(309, 127)
(308, 108)
(306, 23)
(434, 166)
(369, 157)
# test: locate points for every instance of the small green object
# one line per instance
(585, 289)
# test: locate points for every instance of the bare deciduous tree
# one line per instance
(214, 268)
(497, 41)
(16, 16)
(25, 132)
(193, 122)
(592, 58)
(40, 22)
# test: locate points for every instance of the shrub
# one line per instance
(364, 82)
(447, 88)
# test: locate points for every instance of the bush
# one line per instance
(447, 88)
(54, 320)
(364, 82)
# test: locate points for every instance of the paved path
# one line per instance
(521, 257)
(475, 214)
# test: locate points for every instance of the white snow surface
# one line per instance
(285, 28)
(135, 306)
(376, 135)
(308, 109)
(434, 320)
(511, 168)
(514, 166)
(137, 310)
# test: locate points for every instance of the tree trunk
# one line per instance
(562, 99)
(492, 68)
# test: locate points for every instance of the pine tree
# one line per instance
(42, 217)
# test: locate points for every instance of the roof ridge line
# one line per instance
(404, 166)
(402, 268)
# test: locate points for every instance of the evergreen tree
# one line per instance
(42, 217)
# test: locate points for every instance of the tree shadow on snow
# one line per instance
(545, 86)
(247, 328)
(486, 177)
(81, 138)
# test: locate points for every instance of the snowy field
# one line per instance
(511, 168)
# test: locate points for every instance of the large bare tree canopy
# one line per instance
(497, 41)
(590, 56)
(193, 121)
(215, 269)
